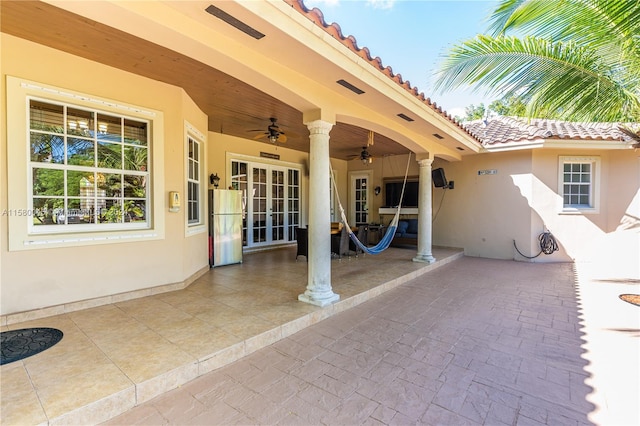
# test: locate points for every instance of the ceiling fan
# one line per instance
(273, 133)
(364, 155)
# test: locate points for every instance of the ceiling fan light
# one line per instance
(273, 138)
(365, 157)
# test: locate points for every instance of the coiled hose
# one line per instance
(548, 245)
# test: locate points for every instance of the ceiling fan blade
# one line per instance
(260, 136)
(282, 138)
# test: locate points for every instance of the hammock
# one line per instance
(385, 242)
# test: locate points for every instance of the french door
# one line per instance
(359, 200)
(268, 205)
(272, 200)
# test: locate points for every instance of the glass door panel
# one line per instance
(277, 205)
(239, 181)
(293, 197)
(259, 205)
(360, 206)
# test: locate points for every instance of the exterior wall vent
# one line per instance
(438, 136)
(236, 23)
(350, 86)
(405, 117)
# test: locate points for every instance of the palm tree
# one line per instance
(578, 60)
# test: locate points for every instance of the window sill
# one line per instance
(196, 229)
(578, 211)
(71, 240)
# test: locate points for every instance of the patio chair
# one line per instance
(340, 243)
(302, 238)
(362, 235)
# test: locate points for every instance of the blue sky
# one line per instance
(411, 36)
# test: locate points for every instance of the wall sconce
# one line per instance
(214, 179)
(376, 190)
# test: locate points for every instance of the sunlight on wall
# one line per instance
(574, 232)
(582, 240)
(631, 218)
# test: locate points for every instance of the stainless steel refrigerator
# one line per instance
(225, 227)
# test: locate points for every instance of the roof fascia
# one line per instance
(591, 144)
(356, 66)
(555, 143)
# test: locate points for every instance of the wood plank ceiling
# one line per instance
(233, 107)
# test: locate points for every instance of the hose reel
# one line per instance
(548, 245)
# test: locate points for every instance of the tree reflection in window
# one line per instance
(92, 169)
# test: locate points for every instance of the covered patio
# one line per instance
(116, 356)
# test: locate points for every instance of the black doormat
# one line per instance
(23, 343)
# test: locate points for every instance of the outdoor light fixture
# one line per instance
(365, 157)
(214, 179)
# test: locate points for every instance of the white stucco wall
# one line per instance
(486, 212)
(584, 236)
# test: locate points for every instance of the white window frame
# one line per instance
(199, 226)
(95, 171)
(23, 235)
(594, 184)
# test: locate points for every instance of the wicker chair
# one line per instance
(302, 238)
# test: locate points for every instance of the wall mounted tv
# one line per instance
(393, 190)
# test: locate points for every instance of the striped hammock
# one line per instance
(385, 242)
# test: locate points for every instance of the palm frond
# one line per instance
(562, 76)
(607, 26)
(584, 21)
(634, 134)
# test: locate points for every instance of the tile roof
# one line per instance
(316, 16)
(513, 130)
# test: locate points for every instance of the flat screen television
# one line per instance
(393, 190)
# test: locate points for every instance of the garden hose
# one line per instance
(548, 245)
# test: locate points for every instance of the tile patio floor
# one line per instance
(471, 341)
(116, 356)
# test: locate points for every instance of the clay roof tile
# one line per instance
(502, 130)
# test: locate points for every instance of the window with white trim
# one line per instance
(193, 181)
(89, 169)
(578, 183)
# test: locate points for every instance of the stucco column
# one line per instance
(319, 290)
(425, 213)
